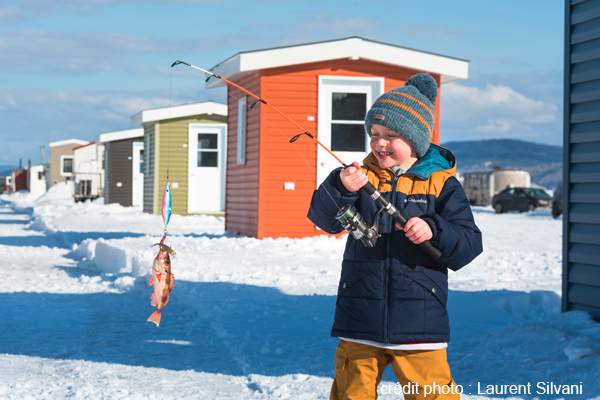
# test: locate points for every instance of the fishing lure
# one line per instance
(166, 206)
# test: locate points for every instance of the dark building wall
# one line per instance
(149, 140)
(20, 180)
(581, 193)
(106, 173)
(118, 170)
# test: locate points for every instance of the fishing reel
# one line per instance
(354, 223)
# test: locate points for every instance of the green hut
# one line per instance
(190, 140)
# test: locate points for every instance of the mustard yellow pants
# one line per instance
(422, 374)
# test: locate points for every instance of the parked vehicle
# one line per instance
(557, 202)
(521, 199)
(480, 187)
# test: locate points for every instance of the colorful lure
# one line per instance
(166, 205)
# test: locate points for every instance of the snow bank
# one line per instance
(123, 256)
(294, 266)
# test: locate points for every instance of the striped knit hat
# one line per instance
(408, 111)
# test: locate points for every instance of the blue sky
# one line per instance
(77, 68)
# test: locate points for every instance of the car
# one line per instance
(521, 199)
(557, 202)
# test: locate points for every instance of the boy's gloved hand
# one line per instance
(353, 177)
(417, 230)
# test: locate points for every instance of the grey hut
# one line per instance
(581, 178)
(123, 165)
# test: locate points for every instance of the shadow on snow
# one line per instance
(211, 327)
(64, 240)
(238, 329)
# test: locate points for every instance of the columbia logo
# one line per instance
(416, 200)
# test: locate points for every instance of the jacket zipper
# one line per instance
(388, 260)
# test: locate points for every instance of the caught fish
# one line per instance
(163, 281)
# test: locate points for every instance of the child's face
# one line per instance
(390, 148)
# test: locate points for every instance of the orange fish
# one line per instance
(163, 281)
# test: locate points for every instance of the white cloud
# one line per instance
(81, 112)
(34, 117)
(38, 51)
(494, 126)
(79, 53)
(494, 111)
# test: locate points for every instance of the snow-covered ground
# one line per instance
(250, 319)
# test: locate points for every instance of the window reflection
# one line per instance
(347, 121)
(346, 137)
(208, 150)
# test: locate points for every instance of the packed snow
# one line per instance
(249, 318)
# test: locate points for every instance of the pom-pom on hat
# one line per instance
(407, 110)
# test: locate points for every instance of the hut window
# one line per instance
(347, 121)
(141, 161)
(208, 151)
(241, 131)
(66, 165)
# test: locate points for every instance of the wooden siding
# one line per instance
(119, 169)
(55, 154)
(242, 187)
(581, 188)
(169, 151)
(294, 91)
(149, 138)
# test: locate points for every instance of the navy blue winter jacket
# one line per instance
(394, 292)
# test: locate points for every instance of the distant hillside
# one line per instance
(543, 162)
(5, 170)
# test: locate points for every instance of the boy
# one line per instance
(391, 303)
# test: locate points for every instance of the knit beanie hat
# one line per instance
(408, 111)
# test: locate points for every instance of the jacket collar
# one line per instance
(437, 158)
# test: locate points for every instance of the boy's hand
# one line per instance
(353, 177)
(417, 230)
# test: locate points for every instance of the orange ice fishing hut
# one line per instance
(326, 88)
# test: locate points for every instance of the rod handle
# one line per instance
(398, 217)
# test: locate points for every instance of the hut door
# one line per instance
(343, 104)
(137, 175)
(206, 170)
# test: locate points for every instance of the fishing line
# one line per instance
(256, 111)
(170, 122)
(166, 201)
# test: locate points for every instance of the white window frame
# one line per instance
(147, 154)
(327, 84)
(216, 150)
(62, 165)
(241, 131)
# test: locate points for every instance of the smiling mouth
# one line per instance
(382, 154)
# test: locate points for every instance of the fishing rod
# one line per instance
(348, 216)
